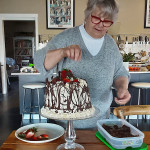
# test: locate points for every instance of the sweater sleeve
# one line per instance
(120, 70)
(115, 55)
(39, 58)
(61, 40)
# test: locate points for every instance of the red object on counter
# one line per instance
(133, 68)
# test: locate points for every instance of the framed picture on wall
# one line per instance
(60, 14)
(147, 14)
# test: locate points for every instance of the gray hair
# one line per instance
(108, 8)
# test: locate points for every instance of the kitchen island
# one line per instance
(37, 77)
(29, 78)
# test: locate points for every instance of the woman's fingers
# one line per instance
(123, 97)
(73, 52)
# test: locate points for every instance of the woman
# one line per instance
(90, 53)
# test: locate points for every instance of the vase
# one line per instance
(126, 65)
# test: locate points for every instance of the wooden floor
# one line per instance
(10, 119)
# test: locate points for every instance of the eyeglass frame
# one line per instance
(101, 21)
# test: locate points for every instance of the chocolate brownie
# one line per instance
(118, 131)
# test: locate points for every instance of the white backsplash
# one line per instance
(136, 48)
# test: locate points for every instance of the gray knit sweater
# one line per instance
(99, 71)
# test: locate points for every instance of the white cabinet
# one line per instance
(23, 48)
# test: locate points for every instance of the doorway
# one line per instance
(17, 37)
(12, 17)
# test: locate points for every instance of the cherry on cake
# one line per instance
(67, 97)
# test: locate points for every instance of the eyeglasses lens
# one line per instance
(96, 20)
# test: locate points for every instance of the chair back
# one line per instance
(123, 111)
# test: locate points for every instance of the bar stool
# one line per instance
(141, 86)
(30, 109)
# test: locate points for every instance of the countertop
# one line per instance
(21, 73)
(139, 72)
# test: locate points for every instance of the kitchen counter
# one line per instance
(37, 77)
(23, 73)
(25, 78)
(37, 73)
(139, 72)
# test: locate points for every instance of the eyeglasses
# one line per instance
(97, 20)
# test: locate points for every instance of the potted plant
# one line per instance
(128, 58)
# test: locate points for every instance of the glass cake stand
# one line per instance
(70, 134)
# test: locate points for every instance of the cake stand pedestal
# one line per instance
(70, 134)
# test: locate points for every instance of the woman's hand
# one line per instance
(54, 56)
(73, 52)
(123, 96)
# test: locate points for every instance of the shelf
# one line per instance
(23, 48)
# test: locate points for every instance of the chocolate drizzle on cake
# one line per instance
(67, 94)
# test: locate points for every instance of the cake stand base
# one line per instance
(70, 136)
(74, 146)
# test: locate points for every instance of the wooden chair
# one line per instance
(123, 111)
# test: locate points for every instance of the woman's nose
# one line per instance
(100, 24)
